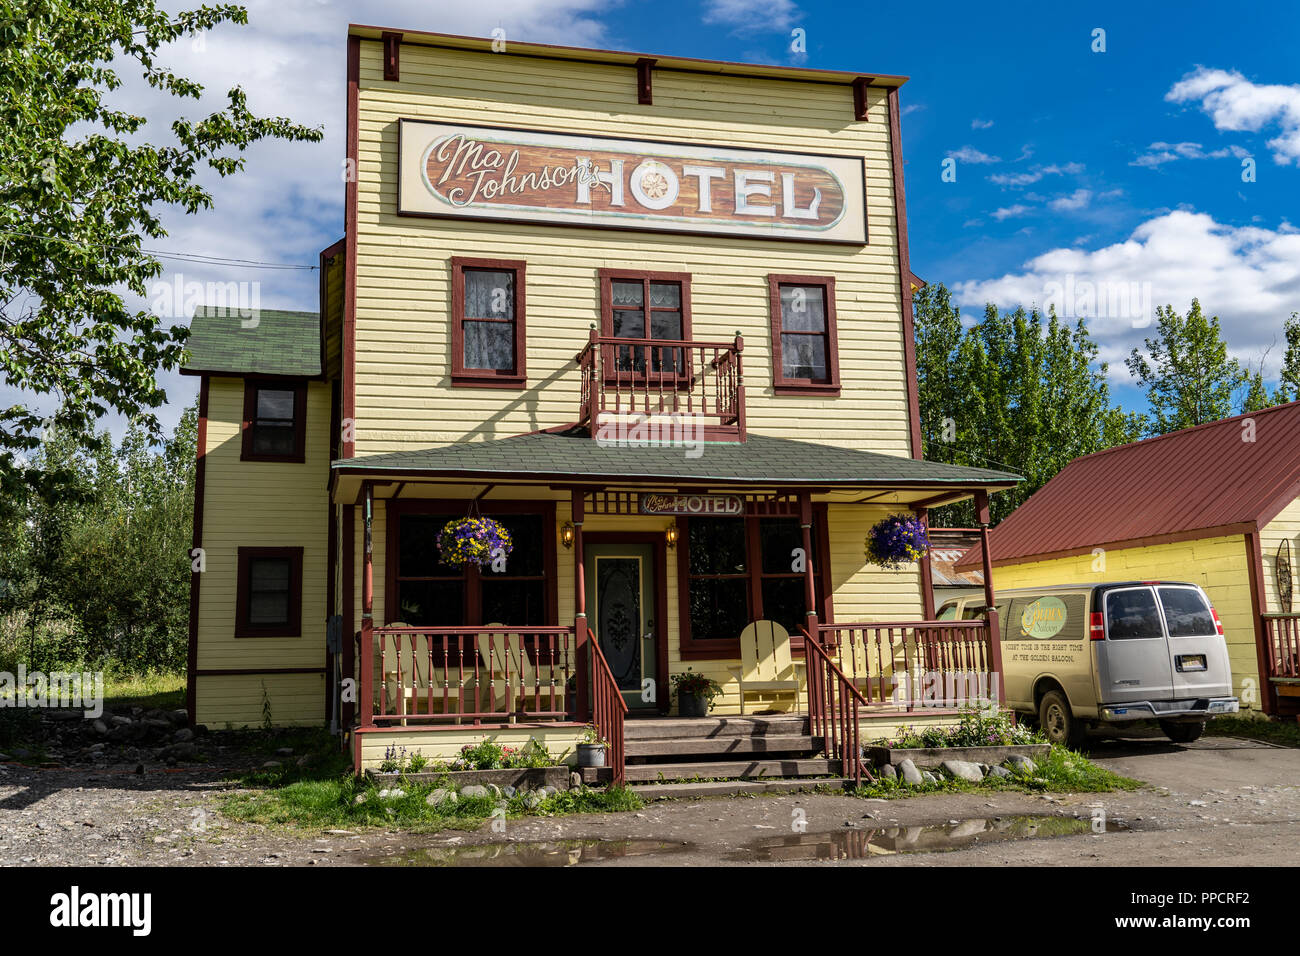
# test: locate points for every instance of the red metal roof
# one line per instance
(1189, 480)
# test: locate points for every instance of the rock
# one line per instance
(1197, 803)
(1001, 772)
(575, 781)
(361, 798)
(929, 777)
(547, 791)
(911, 776)
(99, 727)
(440, 796)
(117, 720)
(474, 790)
(178, 717)
(4, 757)
(494, 791)
(888, 772)
(284, 752)
(533, 799)
(391, 794)
(509, 791)
(180, 751)
(964, 770)
(272, 765)
(183, 735)
(1020, 763)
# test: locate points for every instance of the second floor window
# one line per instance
(488, 322)
(645, 306)
(275, 416)
(805, 351)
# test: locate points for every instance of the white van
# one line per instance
(1076, 656)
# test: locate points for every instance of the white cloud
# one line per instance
(981, 124)
(1011, 212)
(1235, 103)
(969, 154)
(1158, 154)
(752, 16)
(1078, 199)
(1247, 275)
(1035, 174)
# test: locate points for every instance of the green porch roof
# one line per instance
(762, 459)
(280, 343)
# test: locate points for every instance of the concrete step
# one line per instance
(657, 728)
(707, 746)
(714, 769)
(726, 788)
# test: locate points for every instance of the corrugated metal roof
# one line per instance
(1240, 469)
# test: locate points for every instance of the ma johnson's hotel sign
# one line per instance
(476, 172)
(658, 504)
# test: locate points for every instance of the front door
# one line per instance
(620, 611)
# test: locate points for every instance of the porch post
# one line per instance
(367, 612)
(927, 572)
(990, 614)
(809, 587)
(578, 508)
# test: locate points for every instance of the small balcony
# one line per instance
(638, 391)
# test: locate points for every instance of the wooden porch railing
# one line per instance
(834, 711)
(700, 384)
(1282, 636)
(609, 709)
(914, 664)
(454, 675)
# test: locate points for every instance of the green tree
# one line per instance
(1016, 391)
(80, 194)
(1288, 388)
(1186, 371)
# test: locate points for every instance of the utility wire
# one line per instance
(196, 257)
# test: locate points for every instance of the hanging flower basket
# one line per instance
(897, 541)
(473, 540)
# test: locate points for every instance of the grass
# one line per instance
(1064, 771)
(148, 691)
(1284, 732)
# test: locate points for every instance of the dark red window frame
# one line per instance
(607, 279)
(516, 377)
(243, 593)
(782, 384)
(471, 577)
(251, 388)
(692, 649)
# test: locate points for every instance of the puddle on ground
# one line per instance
(530, 853)
(859, 844)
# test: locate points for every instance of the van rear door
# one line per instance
(1197, 653)
(1134, 662)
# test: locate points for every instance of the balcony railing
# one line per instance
(452, 675)
(662, 390)
(1282, 635)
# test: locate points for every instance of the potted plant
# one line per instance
(592, 747)
(897, 541)
(694, 693)
(473, 540)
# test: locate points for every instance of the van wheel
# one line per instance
(1182, 732)
(1057, 720)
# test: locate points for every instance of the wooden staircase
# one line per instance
(709, 756)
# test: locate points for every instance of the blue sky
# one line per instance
(1074, 168)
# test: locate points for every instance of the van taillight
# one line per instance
(1096, 627)
(1218, 625)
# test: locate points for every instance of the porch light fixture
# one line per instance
(566, 534)
(670, 535)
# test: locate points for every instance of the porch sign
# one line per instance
(696, 505)
(483, 172)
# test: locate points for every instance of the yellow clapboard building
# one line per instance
(650, 318)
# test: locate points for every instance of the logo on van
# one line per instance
(1043, 618)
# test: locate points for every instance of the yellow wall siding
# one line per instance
(561, 742)
(403, 293)
(1219, 565)
(1285, 527)
(259, 504)
(243, 700)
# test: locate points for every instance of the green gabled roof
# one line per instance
(267, 342)
(573, 455)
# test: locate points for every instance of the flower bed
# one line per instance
(935, 756)
(520, 778)
(980, 737)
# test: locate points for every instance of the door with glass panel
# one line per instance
(648, 310)
(620, 582)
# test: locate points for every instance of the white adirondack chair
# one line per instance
(513, 672)
(766, 665)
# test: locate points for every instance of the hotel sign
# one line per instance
(477, 172)
(698, 505)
